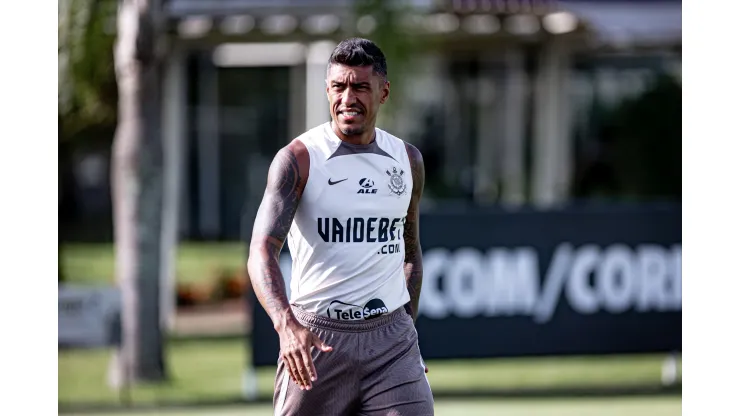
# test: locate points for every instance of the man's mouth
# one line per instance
(349, 114)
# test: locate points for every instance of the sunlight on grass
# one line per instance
(210, 370)
(94, 263)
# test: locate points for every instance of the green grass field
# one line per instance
(659, 406)
(212, 370)
(93, 263)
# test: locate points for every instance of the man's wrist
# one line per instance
(409, 310)
(285, 319)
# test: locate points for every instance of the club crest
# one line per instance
(396, 184)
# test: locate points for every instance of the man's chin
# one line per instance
(351, 130)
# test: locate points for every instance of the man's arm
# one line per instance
(285, 183)
(413, 268)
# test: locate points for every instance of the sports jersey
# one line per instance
(346, 239)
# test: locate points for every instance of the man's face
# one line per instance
(355, 95)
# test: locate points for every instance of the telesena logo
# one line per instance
(588, 279)
(349, 312)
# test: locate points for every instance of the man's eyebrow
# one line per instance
(360, 84)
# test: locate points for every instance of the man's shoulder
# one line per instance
(414, 153)
(294, 154)
(312, 135)
(399, 141)
(299, 145)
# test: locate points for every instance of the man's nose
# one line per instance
(348, 97)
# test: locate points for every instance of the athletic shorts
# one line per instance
(375, 369)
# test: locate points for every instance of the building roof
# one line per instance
(629, 21)
(611, 21)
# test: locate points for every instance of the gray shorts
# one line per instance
(375, 369)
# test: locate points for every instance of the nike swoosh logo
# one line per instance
(334, 183)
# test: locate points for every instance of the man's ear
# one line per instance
(385, 92)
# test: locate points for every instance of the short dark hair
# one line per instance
(359, 52)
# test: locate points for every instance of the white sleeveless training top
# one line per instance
(346, 239)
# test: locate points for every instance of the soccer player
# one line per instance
(345, 195)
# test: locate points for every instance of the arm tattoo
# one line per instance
(413, 268)
(271, 227)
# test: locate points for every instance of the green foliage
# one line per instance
(389, 34)
(398, 45)
(88, 92)
(648, 137)
(640, 146)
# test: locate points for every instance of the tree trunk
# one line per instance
(137, 195)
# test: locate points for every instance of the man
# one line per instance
(346, 196)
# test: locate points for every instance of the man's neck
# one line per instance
(367, 137)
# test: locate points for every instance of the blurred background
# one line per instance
(551, 222)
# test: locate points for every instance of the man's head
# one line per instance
(356, 85)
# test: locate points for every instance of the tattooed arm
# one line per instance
(412, 262)
(286, 181)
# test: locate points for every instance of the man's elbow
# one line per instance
(261, 252)
(414, 265)
(255, 257)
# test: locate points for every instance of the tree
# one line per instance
(87, 92)
(398, 43)
(137, 190)
(87, 84)
(639, 146)
(109, 75)
(648, 141)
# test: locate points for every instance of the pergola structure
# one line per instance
(511, 119)
(300, 34)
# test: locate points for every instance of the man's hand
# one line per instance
(295, 351)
